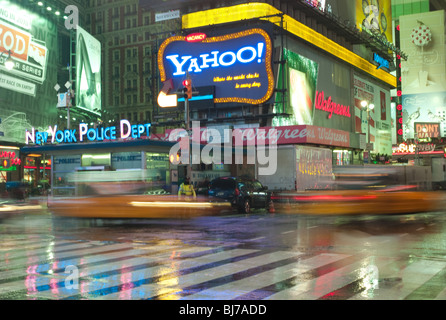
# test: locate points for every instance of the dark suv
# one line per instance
(243, 194)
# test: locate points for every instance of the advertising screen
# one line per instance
(88, 71)
(428, 109)
(238, 64)
(29, 55)
(302, 76)
(375, 16)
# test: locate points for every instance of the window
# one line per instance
(128, 38)
(135, 116)
(116, 85)
(116, 54)
(134, 68)
(134, 37)
(116, 101)
(116, 40)
(135, 101)
(134, 83)
(129, 101)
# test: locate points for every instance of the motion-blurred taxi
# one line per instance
(136, 206)
(345, 202)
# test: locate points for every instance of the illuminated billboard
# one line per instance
(238, 65)
(29, 54)
(301, 79)
(422, 38)
(375, 16)
(427, 109)
(88, 71)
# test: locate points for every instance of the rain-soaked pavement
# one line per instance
(242, 257)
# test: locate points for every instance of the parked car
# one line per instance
(244, 194)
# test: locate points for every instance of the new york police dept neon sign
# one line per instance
(238, 65)
(85, 133)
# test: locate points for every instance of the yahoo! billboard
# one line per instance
(237, 64)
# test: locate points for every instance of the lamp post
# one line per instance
(9, 63)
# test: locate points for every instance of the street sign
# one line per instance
(62, 100)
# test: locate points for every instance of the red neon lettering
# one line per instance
(329, 106)
(195, 37)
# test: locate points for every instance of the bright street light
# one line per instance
(9, 63)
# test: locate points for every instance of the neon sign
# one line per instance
(195, 37)
(53, 135)
(381, 61)
(330, 106)
(238, 65)
(427, 130)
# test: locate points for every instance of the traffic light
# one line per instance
(187, 90)
(6, 163)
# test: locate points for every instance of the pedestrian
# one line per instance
(186, 188)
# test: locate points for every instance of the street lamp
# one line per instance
(9, 63)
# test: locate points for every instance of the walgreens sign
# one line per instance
(327, 104)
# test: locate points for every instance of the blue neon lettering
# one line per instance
(106, 135)
(59, 136)
(113, 133)
(178, 65)
(227, 63)
(216, 59)
(381, 61)
(253, 56)
(89, 136)
(205, 60)
(194, 65)
(92, 134)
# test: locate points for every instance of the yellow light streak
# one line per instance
(169, 204)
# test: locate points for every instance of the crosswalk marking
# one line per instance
(320, 286)
(110, 274)
(411, 278)
(192, 283)
(76, 251)
(34, 252)
(172, 283)
(175, 270)
(86, 259)
(168, 275)
(245, 286)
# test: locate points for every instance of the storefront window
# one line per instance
(342, 157)
(157, 169)
(93, 160)
(63, 166)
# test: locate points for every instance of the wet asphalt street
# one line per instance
(243, 257)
